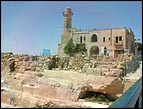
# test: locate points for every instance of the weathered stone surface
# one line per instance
(69, 85)
(108, 85)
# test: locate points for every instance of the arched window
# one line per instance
(80, 39)
(94, 38)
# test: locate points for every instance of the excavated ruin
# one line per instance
(36, 80)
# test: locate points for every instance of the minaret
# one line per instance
(67, 19)
(67, 30)
(67, 14)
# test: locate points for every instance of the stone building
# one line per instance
(109, 42)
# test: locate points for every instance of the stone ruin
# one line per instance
(63, 78)
(104, 66)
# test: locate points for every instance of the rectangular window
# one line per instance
(84, 38)
(81, 39)
(120, 38)
(103, 39)
(116, 39)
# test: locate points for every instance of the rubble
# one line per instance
(62, 78)
(88, 65)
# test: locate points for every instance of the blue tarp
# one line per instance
(46, 52)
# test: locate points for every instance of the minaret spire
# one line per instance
(67, 18)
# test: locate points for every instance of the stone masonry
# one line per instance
(108, 42)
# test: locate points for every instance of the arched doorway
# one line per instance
(94, 51)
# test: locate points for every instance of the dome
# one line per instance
(67, 10)
(68, 7)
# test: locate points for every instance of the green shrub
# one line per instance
(69, 49)
(98, 97)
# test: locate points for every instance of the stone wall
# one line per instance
(22, 63)
(104, 66)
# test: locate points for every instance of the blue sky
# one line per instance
(29, 27)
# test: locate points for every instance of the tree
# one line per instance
(80, 48)
(69, 49)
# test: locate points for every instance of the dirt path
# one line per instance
(135, 76)
(131, 78)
